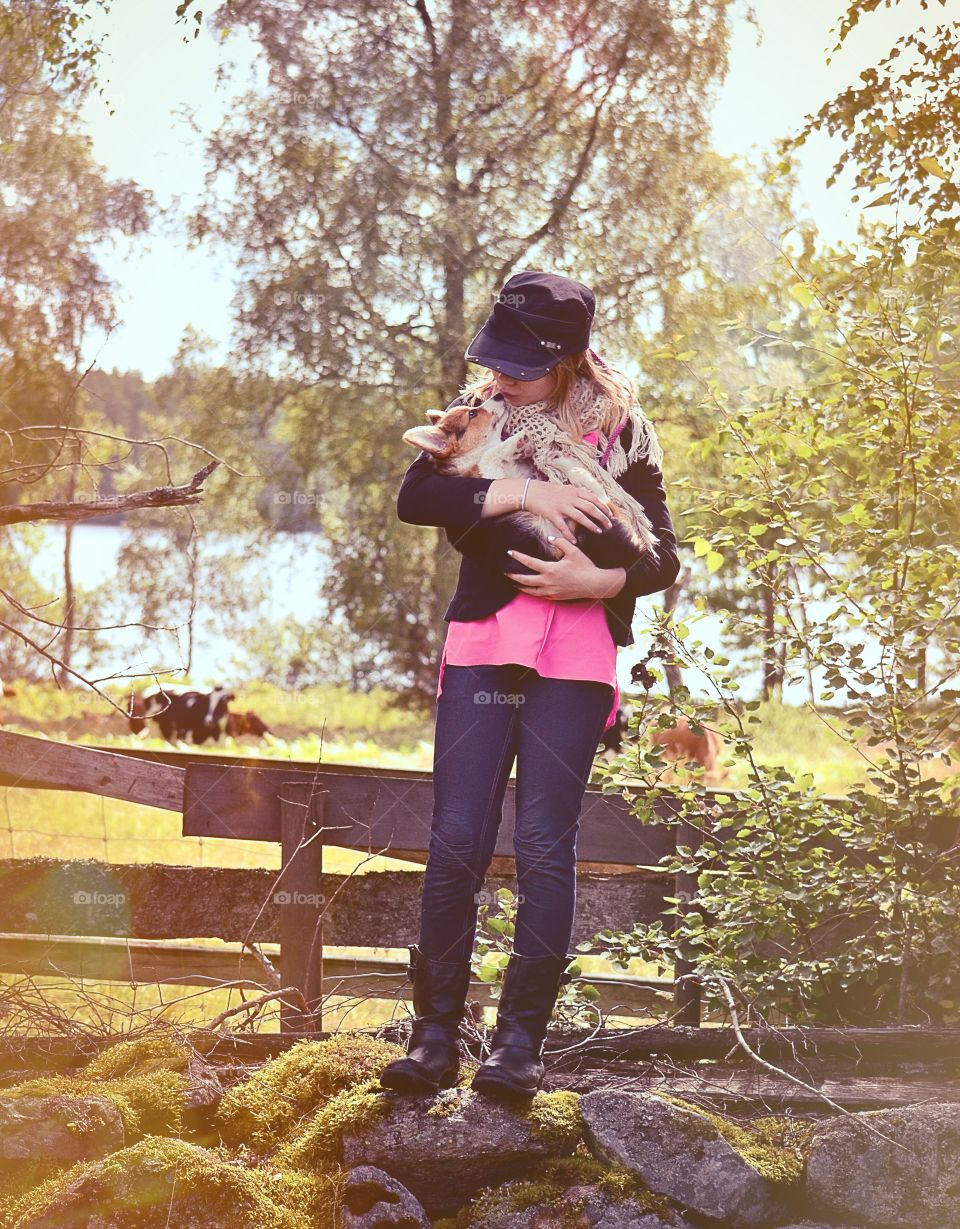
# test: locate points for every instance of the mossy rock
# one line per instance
(317, 1143)
(559, 1195)
(149, 1104)
(776, 1146)
(265, 1111)
(159, 1050)
(159, 1183)
(446, 1146)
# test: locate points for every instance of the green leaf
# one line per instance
(714, 560)
(803, 292)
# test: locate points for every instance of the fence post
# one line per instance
(686, 992)
(301, 909)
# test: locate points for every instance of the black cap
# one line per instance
(537, 319)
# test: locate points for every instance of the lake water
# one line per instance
(295, 568)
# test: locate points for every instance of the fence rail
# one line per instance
(48, 907)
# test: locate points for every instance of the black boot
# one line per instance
(439, 997)
(531, 984)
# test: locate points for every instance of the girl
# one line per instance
(528, 673)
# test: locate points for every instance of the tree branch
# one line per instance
(75, 510)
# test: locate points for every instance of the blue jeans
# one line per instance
(487, 716)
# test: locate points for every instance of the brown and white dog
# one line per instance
(466, 441)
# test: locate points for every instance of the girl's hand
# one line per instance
(573, 575)
(559, 503)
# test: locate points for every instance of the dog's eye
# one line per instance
(472, 414)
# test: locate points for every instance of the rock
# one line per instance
(813, 1224)
(374, 1200)
(157, 1184)
(58, 1130)
(629, 1215)
(202, 1096)
(584, 1206)
(680, 1153)
(445, 1147)
(853, 1175)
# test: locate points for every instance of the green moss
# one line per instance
(556, 1176)
(144, 1078)
(160, 1182)
(148, 1104)
(555, 1116)
(155, 1051)
(266, 1109)
(775, 1146)
(446, 1104)
(19, 1178)
(316, 1145)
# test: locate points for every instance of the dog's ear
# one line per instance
(430, 439)
(435, 415)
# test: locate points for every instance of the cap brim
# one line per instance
(520, 362)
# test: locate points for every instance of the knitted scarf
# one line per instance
(548, 442)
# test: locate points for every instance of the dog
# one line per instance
(466, 441)
(179, 710)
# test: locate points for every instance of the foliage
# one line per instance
(824, 914)
(491, 954)
(901, 124)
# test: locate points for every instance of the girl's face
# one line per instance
(524, 392)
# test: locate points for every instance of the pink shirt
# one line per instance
(564, 640)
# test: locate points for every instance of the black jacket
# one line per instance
(455, 504)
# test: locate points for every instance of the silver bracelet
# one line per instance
(524, 495)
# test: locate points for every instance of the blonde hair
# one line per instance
(616, 386)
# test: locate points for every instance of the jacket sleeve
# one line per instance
(652, 571)
(445, 500)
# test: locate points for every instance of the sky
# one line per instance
(778, 74)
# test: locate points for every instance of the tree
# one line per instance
(401, 161)
(58, 208)
(861, 491)
(901, 125)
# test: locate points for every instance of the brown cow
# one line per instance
(238, 724)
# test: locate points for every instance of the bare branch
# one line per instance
(75, 510)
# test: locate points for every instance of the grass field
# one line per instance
(317, 725)
(328, 725)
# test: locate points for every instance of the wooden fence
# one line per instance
(115, 922)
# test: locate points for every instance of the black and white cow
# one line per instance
(179, 710)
